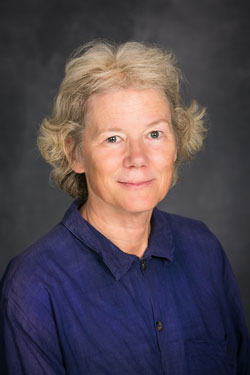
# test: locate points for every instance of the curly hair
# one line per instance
(100, 66)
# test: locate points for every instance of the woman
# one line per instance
(119, 287)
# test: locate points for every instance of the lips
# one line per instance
(135, 184)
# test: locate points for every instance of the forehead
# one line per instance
(128, 105)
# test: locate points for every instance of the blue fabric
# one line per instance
(75, 304)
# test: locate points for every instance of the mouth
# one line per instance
(135, 184)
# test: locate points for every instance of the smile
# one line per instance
(135, 184)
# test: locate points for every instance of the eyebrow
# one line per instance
(157, 122)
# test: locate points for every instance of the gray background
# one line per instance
(211, 40)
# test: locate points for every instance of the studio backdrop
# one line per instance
(211, 41)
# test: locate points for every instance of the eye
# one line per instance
(155, 134)
(113, 139)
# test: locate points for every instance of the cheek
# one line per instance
(163, 161)
(101, 166)
(111, 161)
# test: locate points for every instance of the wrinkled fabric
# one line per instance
(75, 304)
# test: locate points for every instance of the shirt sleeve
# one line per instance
(237, 317)
(28, 336)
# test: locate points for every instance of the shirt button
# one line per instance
(159, 325)
(144, 265)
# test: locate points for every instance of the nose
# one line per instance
(136, 156)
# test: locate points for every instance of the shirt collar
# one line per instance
(160, 243)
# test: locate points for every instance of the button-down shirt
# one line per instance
(75, 304)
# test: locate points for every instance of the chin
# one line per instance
(137, 206)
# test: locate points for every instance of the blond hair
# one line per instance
(101, 66)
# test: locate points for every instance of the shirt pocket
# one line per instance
(209, 357)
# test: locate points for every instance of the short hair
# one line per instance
(100, 66)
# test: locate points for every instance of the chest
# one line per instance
(142, 323)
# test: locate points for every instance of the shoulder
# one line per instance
(199, 254)
(184, 226)
(27, 292)
(193, 238)
(30, 272)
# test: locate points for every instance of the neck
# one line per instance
(128, 231)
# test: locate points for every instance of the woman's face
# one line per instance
(129, 150)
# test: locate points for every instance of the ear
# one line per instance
(75, 164)
(175, 155)
(77, 167)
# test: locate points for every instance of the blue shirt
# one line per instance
(75, 304)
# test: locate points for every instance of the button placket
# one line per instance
(144, 265)
(159, 326)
